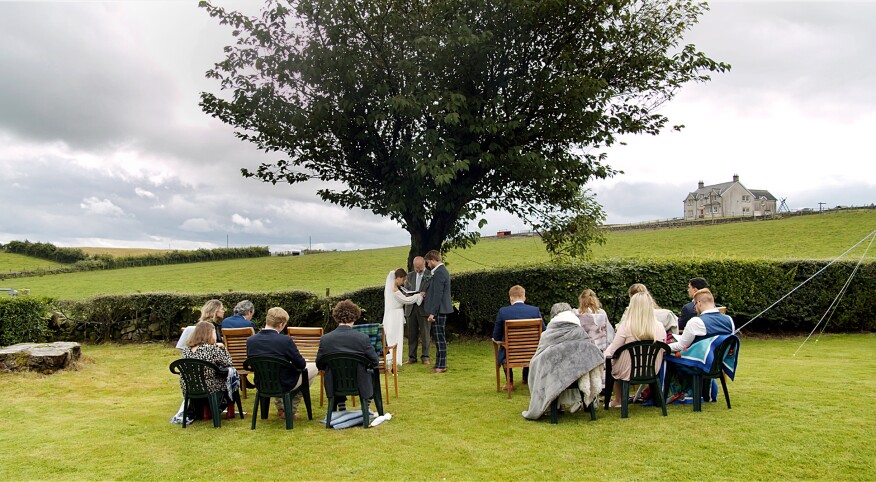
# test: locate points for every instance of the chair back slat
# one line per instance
(521, 341)
(306, 339)
(194, 374)
(267, 374)
(235, 344)
(643, 359)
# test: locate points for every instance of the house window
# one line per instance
(714, 209)
(745, 210)
(746, 198)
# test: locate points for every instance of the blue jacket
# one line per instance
(517, 311)
(238, 321)
(688, 311)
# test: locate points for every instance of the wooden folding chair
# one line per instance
(235, 345)
(378, 340)
(306, 338)
(521, 341)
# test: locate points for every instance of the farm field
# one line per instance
(119, 252)
(793, 417)
(11, 262)
(811, 237)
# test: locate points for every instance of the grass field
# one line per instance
(803, 417)
(10, 262)
(815, 236)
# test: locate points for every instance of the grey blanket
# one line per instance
(565, 354)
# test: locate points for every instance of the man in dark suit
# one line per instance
(417, 319)
(518, 310)
(273, 341)
(243, 313)
(438, 305)
(344, 339)
(688, 311)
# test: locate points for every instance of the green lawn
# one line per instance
(794, 417)
(10, 263)
(816, 236)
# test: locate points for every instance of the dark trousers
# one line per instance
(418, 332)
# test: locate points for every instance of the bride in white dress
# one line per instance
(393, 310)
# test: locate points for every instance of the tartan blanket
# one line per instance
(701, 355)
(375, 334)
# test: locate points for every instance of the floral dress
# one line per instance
(212, 354)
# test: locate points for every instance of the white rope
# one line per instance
(832, 308)
(803, 283)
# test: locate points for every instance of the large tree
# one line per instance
(432, 112)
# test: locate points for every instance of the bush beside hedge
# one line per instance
(745, 287)
(23, 320)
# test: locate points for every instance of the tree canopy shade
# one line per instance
(432, 112)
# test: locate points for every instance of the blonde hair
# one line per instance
(204, 334)
(640, 316)
(640, 288)
(210, 311)
(276, 316)
(705, 296)
(588, 302)
(517, 292)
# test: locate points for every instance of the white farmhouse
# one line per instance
(728, 199)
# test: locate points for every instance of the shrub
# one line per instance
(23, 319)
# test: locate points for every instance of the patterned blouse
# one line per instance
(212, 354)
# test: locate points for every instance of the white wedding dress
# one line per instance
(394, 315)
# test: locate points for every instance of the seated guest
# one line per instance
(708, 322)
(594, 319)
(272, 341)
(344, 339)
(518, 310)
(666, 317)
(640, 324)
(565, 355)
(214, 311)
(243, 313)
(201, 345)
(688, 311)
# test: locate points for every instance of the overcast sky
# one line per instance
(102, 142)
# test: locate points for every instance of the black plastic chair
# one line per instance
(194, 373)
(266, 370)
(555, 408)
(344, 368)
(701, 379)
(643, 357)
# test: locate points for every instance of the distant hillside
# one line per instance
(813, 237)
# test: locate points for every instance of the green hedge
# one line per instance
(23, 319)
(745, 287)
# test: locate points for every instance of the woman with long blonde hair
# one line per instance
(639, 324)
(213, 311)
(594, 320)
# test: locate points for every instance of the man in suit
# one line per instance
(273, 341)
(438, 305)
(344, 339)
(688, 311)
(243, 313)
(517, 310)
(415, 315)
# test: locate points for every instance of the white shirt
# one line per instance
(695, 327)
(436, 267)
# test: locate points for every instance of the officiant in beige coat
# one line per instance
(416, 319)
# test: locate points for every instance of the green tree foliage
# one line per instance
(432, 112)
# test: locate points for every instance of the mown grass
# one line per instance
(813, 237)
(10, 263)
(803, 417)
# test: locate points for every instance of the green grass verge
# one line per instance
(811, 237)
(794, 417)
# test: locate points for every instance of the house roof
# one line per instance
(759, 193)
(718, 188)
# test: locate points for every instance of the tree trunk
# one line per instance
(423, 241)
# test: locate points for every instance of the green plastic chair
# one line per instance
(344, 368)
(643, 357)
(194, 373)
(266, 370)
(555, 409)
(703, 379)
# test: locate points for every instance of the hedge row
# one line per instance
(745, 287)
(23, 319)
(45, 251)
(105, 261)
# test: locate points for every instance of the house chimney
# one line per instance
(701, 185)
(736, 178)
